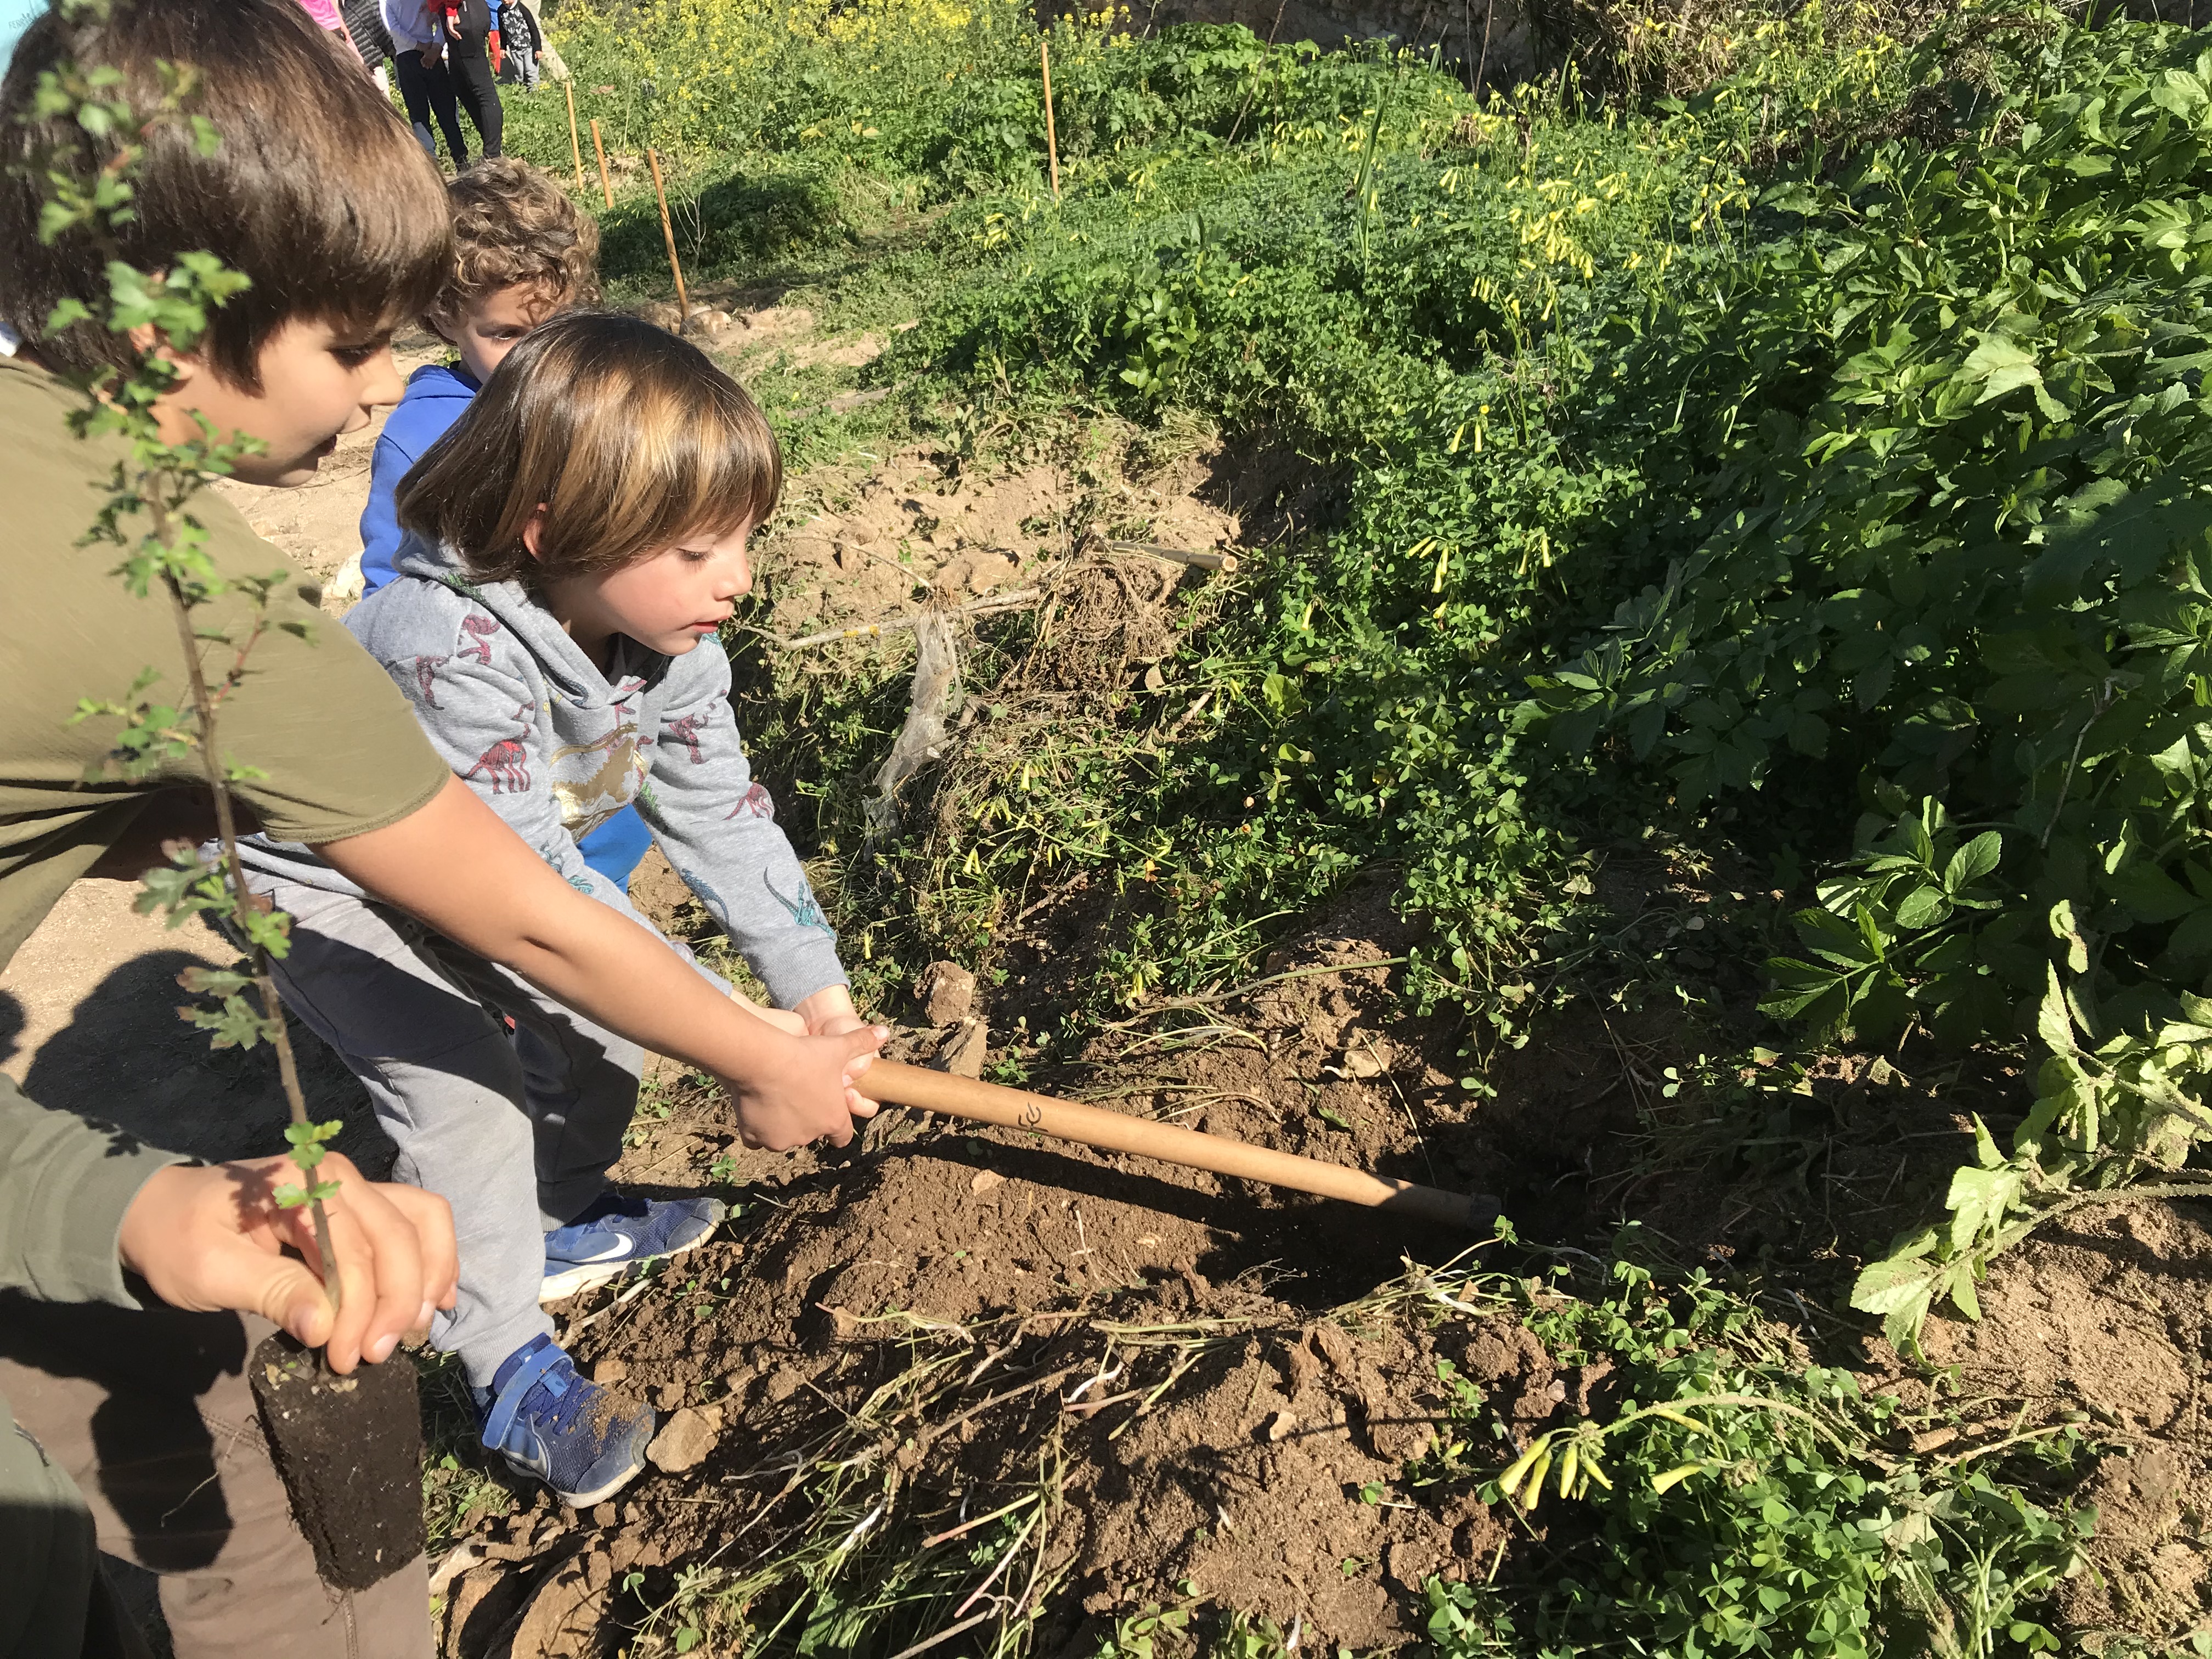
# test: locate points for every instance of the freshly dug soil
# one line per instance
(2105, 1314)
(350, 1451)
(1200, 1362)
(1209, 1392)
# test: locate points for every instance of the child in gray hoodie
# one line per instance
(575, 541)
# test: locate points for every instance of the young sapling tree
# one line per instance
(88, 194)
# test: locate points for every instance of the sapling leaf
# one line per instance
(212, 981)
(162, 546)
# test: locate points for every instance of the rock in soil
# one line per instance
(947, 993)
(484, 1603)
(350, 1451)
(686, 1441)
(964, 1050)
(567, 1619)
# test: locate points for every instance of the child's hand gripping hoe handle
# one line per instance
(897, 1085)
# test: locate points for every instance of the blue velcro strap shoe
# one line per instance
(547, 1421)
(620, 1232)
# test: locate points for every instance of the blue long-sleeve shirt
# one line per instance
(437, 395)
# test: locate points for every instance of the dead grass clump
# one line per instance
(1103, 616)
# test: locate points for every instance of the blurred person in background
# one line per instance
(546, 57)
(364, 21)
(327, 19)
(473, 50)
(522, 37)
(417, 31)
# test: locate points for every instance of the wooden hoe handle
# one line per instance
(898, 1084)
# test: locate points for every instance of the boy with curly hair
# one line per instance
(522, 255)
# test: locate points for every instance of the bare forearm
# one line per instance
(595, 960)
(461, 869)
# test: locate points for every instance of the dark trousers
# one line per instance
(427, 90)
(479, 92)
(151, 1415)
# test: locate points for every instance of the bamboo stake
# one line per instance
(1017, 1109)
(877, 629)
(605, 183)
(1222, 562)
(575, 144)
(683, 304)
(1051, 136)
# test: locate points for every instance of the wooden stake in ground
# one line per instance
(667, 230)
(1051, 137)
(600, 150)
(575, 146)
(1017, 1109)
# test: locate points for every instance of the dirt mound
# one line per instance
(2104, 1315)
(1177, 1379)
(925, 528)
(954, 1320)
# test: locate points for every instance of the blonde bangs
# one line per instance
(628, 441)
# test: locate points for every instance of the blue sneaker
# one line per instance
(618, 1233)
(579, 1439)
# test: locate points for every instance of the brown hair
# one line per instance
(627, 437)
(318, 190)
(513, 227)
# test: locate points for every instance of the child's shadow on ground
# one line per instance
(127, 1059)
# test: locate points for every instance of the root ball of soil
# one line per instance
(350, 1451)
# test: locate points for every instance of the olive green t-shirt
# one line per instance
(337, 742)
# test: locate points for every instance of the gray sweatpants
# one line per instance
(516, 1130)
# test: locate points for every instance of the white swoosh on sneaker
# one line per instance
(614, 1252)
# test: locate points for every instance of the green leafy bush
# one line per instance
(1860, 482)
(1873, 488)
(1949, 451)
(1744, 1504)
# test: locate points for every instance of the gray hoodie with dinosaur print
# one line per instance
(556, 748)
